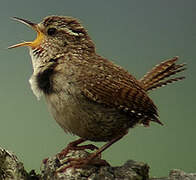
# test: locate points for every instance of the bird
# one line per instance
(87, 94)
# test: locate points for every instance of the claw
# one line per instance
(70, 147)
(81, 163)
(74, 146)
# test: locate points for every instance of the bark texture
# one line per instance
(12, 169)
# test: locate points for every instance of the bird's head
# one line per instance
(57, 35)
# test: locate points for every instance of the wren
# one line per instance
(88, 95)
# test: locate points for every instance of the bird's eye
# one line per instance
(51, 31)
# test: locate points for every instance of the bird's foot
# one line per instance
(74, 146)
(82, 163)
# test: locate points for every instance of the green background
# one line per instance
(136, 34)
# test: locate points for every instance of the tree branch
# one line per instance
(12, 168)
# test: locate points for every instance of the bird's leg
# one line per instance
(81, 162)
(74, 146)
(104, 147)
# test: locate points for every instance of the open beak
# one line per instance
(34, 26)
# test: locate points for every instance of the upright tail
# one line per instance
(161, 74)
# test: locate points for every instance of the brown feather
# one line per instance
(157, 77)
(115, 87)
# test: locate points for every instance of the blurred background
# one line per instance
(134, 34)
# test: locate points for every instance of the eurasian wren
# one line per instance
(88, 95)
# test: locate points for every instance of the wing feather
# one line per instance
(113, 86)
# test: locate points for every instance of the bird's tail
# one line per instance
(161, 74)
